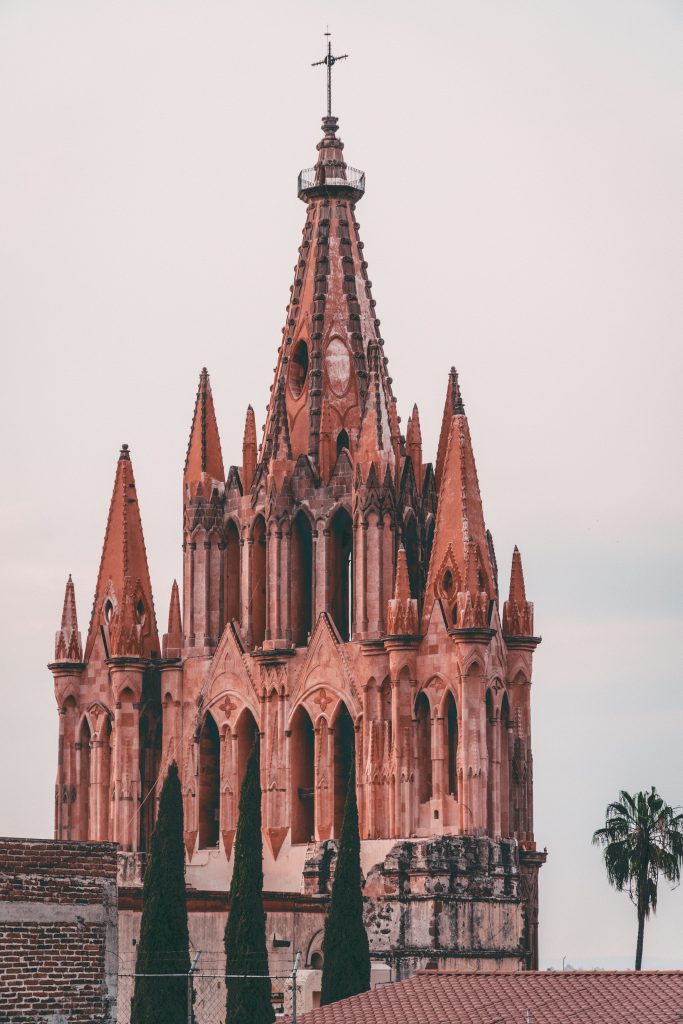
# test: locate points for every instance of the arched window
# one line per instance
(209, 783)
(505, 747)
(340, 572)
(247, 734)
(83, 762)
(232, 573)
(301, 579)
(344, 745)
(150, 762)
(451, 719)
(342, 441)
(412, 556)
(301, 757)
(298, 370)
(103, 780)
(491, 781)
(258, 583)
(424, 748)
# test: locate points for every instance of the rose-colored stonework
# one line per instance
(339, 596)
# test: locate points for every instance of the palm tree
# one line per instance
(642, 837)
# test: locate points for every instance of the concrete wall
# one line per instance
(58, 932)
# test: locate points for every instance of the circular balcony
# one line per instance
(315, 182)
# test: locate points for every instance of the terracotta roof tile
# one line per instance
(552, 997)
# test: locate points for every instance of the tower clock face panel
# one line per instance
(338, 366)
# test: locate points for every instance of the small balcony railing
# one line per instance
(353, 178)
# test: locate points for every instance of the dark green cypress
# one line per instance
(163, 948)
(248, 999)
(346, 952)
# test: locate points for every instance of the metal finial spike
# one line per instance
(328, 61)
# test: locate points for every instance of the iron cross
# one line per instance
(329, 60)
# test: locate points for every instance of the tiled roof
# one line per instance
(551, 997)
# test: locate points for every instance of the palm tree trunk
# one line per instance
(639, 944)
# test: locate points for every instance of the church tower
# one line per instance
(340, 599)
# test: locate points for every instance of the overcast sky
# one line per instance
(522, 220)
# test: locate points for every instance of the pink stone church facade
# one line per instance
(340, 597)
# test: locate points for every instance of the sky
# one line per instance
(522, 220)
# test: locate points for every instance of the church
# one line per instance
(340, 597)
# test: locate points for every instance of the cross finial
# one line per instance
(328, 61)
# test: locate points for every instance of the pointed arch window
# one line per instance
(258, 582)
(150, 762)
(301, 579)
(344, 746)
(340, 572)
(232, 572)
(298, 369)
(451, 720)
(342, 441)
(209, 784)
(302, 742)
(83, 751)
(424, 748)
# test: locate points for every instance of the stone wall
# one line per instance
(58, 932)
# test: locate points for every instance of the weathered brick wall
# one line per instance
(58, 932)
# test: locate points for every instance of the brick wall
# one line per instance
(58, 932)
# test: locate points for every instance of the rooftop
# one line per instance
(542, 997)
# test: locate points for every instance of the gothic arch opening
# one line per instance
(505, 746)
(246, 731)
(83, 751)
(301, 579)
(103, 780)
(491, 780)
(424, 748)
(258, 582)
(302, 744)
(342, 441)
(344, 746)
(150, 763)
(412, 549)
(232, 573)
(209, 783)
(298, 369)
(451, 720)
(340, 572)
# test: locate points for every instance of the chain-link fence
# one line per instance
(202, 992)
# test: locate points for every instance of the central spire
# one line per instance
(331, 365)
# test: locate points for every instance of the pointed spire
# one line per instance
(517, 589)
(453, 407)
(124, 591)
(173, 639)
(249, 450)
(278, 445)
(518, 613)
(460, 549)
(204, 455)
(68, 645)
(414, 445)
(331, 325)
(402, 617)
(375, 435)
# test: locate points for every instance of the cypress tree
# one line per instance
(163, 948)
(346, 952)
(248, 999)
